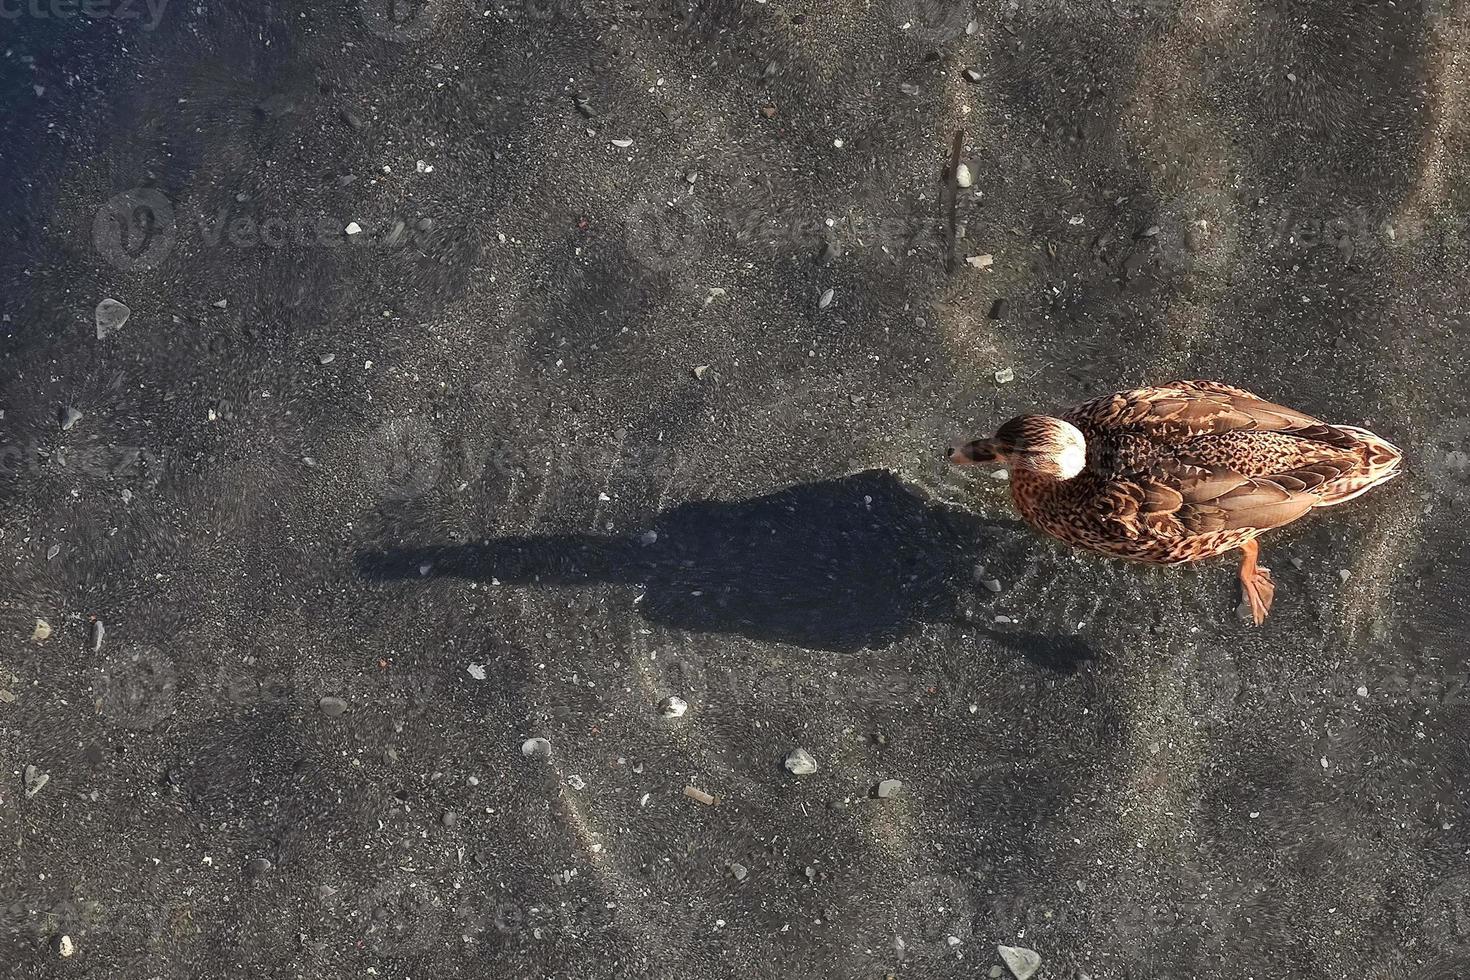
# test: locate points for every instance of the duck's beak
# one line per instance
(971, 453)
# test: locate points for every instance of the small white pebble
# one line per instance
(826, 299)
(1363, 692)
(1005, 376)
(65, 946)
(353, 228)
(1344, 574)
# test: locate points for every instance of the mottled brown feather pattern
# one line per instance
(1191, 469)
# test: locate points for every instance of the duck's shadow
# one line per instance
(839, 565)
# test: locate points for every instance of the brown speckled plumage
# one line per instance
(1185, 471)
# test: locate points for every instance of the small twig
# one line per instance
(952, 192)
(695, 793)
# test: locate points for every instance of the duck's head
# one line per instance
(1038, 443)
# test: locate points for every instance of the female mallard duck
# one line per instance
(1184, 471)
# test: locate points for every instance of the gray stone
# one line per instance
(800, 763)
(111, 315)
(332, 707)
(1021, 961)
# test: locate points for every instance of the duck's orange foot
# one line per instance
(1256, 583)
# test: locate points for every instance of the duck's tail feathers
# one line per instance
(1381, 461)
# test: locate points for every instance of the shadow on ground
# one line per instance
(841, 565)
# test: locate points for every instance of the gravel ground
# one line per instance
(486, 376)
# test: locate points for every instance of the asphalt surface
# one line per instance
(496, 372)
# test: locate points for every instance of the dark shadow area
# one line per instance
(840, 565)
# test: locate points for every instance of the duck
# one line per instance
(1181, 472)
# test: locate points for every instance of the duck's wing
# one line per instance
(1174, 494)
(1182, 410)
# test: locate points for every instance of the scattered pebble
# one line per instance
(996, 971)
(69, 417)
(353, 228)
(325, 892)
(257, 867)
(35, 780)
(826, 299)
(622, 144)
(800, 763)
(536, 748)
(352, 119)
(700, 370)
(99, 630)
(889, 788)
(1298, 564)
(831, 252)
(1344, 574)
(972, 76)
(53, 551)
(424, 167)
(647, 538)
(576, 782)
(1150, 231)
(673, 707)
(332, 707)
(42, 630)
(221, 304)
(325, 358)
(981, 261)
(1005, 376)
(908, 88)
(65, 947)
(695, 793)
(450, 819)
(992, 584)
(963, 177)
(738, 871)
(477, 671)
(111, 315)
(972, 28)
(1023, 962)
